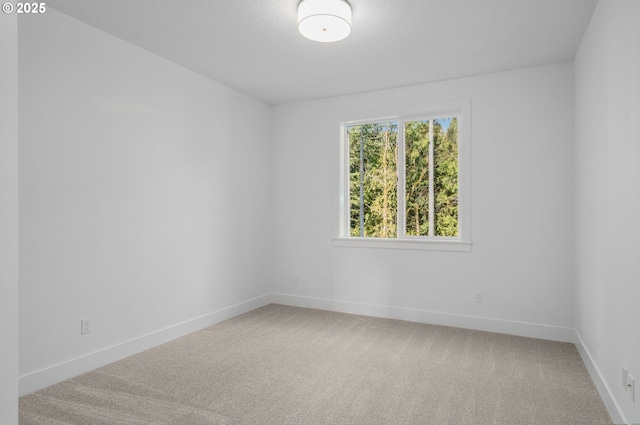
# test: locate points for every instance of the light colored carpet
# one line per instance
(288, 365)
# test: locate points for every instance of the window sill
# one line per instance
(413, 244)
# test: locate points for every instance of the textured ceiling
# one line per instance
(254, 46)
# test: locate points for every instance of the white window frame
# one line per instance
(458, 108)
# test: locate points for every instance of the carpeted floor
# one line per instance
(288, 365)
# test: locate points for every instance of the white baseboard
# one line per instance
(532, 330)
(605, 392)
(42, 378)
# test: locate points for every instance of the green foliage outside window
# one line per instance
(373, 170)
(373, 179)
(446, 180)
(417, 177)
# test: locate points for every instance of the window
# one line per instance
(405, 181)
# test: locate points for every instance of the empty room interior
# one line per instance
(214, 212)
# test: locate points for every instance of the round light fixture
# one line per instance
(324, 20)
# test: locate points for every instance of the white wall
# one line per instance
(521, 210)
(8, 219)
(142, 193)
(607, 128)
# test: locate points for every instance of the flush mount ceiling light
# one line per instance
(324, 20)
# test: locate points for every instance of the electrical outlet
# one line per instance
(631, 387)
(477, 297)
(85, 326)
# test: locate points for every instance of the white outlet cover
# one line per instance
(85, 326)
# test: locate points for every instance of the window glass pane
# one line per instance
(416, 136)
(373, 198)
(445, 177)
(431, 177)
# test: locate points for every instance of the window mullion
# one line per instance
(431, 180)
(345, 198)
(401, 186)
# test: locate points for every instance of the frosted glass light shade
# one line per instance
(324, 20)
